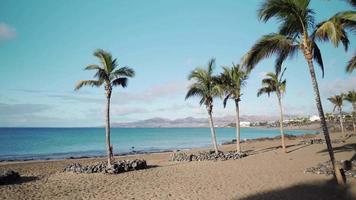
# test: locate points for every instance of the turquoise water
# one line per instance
(57, 143)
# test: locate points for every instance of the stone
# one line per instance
(9, 176)
(118, 167)
(346, 165)
(210, 155)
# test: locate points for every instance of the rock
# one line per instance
(312, 141)
(118, 167)
(326, 168)
(210, 155)
(9, 176)
(346, 165)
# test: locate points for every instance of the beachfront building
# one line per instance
(245, 124)
(314, 118)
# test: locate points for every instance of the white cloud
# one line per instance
(7, 32)
(337, 86)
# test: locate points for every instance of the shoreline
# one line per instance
(140, 153)
(165, 179)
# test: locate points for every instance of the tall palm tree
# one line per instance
(296, 22)
(206, 87)
(110, 75)
(274, 82)
(351, 97)
(338, 100)
(231, 81)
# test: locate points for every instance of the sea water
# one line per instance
(58, 143)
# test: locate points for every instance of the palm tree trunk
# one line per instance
(107, 126)
(353, 116)
(212, 129)
(341, 121)
(238, 147)
(281, 122)
(308, 57)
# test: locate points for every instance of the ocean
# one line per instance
(59, 143)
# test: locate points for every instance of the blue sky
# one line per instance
(44, 46)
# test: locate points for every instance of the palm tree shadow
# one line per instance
(257, 151)
(290, 151)
(328, 190)
(151, 166)
(344, 148)
(22, 179)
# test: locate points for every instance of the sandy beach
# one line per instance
(267, 174)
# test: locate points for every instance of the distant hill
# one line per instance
(193, 122)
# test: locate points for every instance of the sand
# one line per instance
(268, 174)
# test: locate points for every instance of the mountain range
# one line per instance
(158, 122)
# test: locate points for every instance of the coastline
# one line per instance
(231, 179)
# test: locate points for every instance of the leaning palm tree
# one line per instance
(338, 100)
(206, 87)
(231, 81)
(274, 82)
(296, 23)
(351, 97)
(109, 75)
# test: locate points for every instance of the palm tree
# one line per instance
(206, 87)
(351, 97)
(231, 81)
(296, 22)
(338, 100)
(274, 82)
(109, 75)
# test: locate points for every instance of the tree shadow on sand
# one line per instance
(328, 190)
(344, 148)
(258, 151)
(22, 179)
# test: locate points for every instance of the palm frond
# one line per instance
(211, 65)
(194, 91)
(106, 72)
(317, 57)
(273, 83)
(337, 100)
(205, 84)
(123, 72)
(351, 65)
(105, 58)
(351, 2)
(264, 90)
(350, 96)
(226, 99)
(294, 16)
(120, 81)
(268, 45)
(334, 29)
(93, 83)
(92, 67)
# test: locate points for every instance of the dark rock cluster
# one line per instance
(313, 141)
(209, 155)
(118, 167)
(9, 176)
(78, 168)
(326, 168)
(127, 165)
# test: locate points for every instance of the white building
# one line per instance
(245, 124)
(314, 118)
